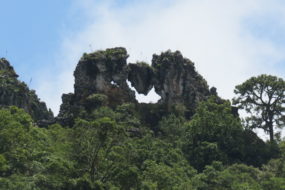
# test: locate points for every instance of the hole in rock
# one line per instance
(114, 83)
(151, 97)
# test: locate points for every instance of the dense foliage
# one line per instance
(104, 139)
(113, 149)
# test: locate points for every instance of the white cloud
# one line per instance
(210, 33)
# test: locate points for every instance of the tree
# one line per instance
(32, 157)
(94, 145)
(235, 177)
(213, 134)
(263, 97)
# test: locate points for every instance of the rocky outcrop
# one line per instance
(106, 73)
(174, 79)
(177, 81)
(101, 72)
(141, 76)
(16, 93)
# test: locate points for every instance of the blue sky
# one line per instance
(31, 32)
(228, 40)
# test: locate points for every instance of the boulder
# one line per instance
(141, 76)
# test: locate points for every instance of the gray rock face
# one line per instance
(101, 72)
(68, 109)
(106, 73)
(141, 76)
(177, 81)
(173, 77)
(6, 69)
(16, 93)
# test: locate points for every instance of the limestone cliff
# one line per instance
(16, 93)
(174, 79)
(103, 75)
(99, 73)
(141, 76)
(104, 72)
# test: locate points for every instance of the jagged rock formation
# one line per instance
(141, 76)
(174, 79)
(177, 81)
(16, 93)
(106, 72)
(101, 72)
(101, 79)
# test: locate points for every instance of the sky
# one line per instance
(228, 40)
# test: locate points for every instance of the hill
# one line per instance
(104, 139)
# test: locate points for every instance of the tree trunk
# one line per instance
(271, 134)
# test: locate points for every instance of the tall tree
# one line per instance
(263, 97)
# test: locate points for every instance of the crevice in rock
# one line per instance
(114, 83)
(152, 97)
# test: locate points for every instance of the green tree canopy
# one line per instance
(214, 133)
(263, 97)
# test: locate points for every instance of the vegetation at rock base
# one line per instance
(96, 144)
(111, 149)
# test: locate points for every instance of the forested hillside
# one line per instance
(104, 139)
